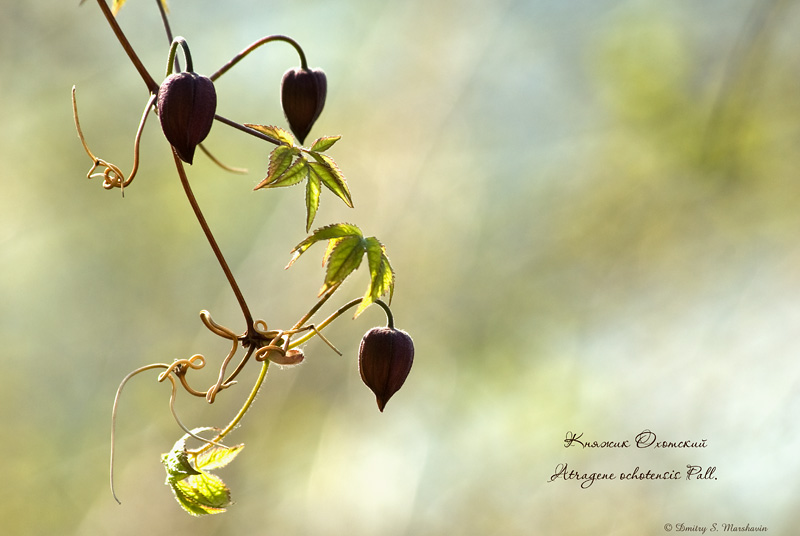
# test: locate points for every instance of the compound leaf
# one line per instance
(216, 457)
(381, 274)
(342, 260)
(202, 494)
(279, 161)
(324, 143)
(274, 132)
(331, 177)
(335, 230)
(312, 198)
(296, 173)
(198, 492)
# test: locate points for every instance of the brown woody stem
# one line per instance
(213, 242)
(151, 84)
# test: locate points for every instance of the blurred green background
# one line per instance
(591, 207)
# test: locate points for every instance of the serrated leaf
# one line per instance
(296, 173)
(324, 143)
(177, 465)
(344, 258)
(333, 179)
(312, 198)
(273, 132)
(216, 457)
(381, 274)
(279, 161)
(328, 250)
(176, 461)
(334, 230)
(202, 494)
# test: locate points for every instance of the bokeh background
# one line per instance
(591, 207)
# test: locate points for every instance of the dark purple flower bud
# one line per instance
(384, 359)
(186, 106)
(303, 97)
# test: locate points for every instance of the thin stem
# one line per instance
(239, 416)
(173, 49)
(168, 30)
(247, 130)
(339, 312)
(150, 102)
(151, 84)
(320, 303)
(114, 416)
(212, 241)
(224, 166)
(264, 40)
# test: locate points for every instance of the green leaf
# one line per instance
(176, 461)
(333, 179)
(279, 161)
(381, 274)
(343, 259)
(177, 465)
(197, 491)
(296, 173)
(335, 230)
(312, 198)
(202, 494)
(273, 132)
(216, 457)
(324, 143)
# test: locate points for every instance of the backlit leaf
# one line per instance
(274, 132)
(324, 143)
(296, 173)
(177, 465)
(381, 274)
(312, 198)
(216, 457)
(279, 161)
(202, 494)
(344, 258)
(331, 178)
(335, 230)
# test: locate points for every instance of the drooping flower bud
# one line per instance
(303, 97)
(186, 106)
(384, 359)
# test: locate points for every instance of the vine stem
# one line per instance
(239, 416)
(151, 84)
(246, 130)
(212, 241)
(264, 40)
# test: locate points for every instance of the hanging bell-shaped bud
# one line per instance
(186, 106)
(303, 97)
(384, 359)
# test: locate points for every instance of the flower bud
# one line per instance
(303, 97)
(384, 359)
(186, 106)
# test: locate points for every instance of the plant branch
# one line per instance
(239, 416)
(151, 84)
(339, 312)
(247, 130)
(167, 29)
(264, 40)
(212, 241)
